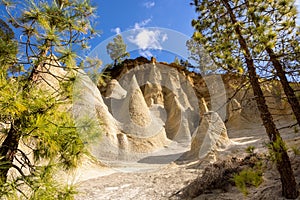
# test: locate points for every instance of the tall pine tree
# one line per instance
(227, 31)
(117, 49)
(39, 136)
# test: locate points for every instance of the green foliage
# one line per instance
(198, 54)
(262, 23)
(296, 130)
(103, 79)
(45, 187)
(8, 46)
(250, 149)
(6, 32)
(49, 131)
(35, 102)
(117, 49)
(260, 39)
(295, 150)
(276, 148)
(94, 71)
(53, 28)
(248, 177)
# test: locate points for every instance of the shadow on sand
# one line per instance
(163, 159)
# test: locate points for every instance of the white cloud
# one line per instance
(164, 37)
(138, 25)
(149, 4)
(116, 30)
(148, 39)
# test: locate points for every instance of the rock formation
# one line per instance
(151, 108)
(49, 76)
(114, 90)
(158, 104)
(210, 137)
(172, 95)
(123, 133)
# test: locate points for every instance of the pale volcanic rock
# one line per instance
(210, 137)
(115, 90)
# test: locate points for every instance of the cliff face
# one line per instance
(154, 108)
(150, 109)
(153, 112)
(233, 87)
(170, 97)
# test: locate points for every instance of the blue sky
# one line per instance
(120, 16)
(124, 15)
(170, 21)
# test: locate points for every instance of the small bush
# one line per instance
(296, 130)
(295, 150)
(247, 177)
(250, 149)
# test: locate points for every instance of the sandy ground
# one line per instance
(156, 184)
(162, 182)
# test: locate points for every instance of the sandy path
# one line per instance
(157, 184)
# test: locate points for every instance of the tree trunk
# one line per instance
(8, 150)
(10, 145)
(288, 90)
(289, 186)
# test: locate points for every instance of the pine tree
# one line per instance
(117, 49)
(279, 40)
(40, 137)
(200, 57)
(227, 32)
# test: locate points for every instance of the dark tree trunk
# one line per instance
(10, 145)
(289, 186)
(288, 90)
(8, 150)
